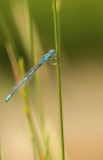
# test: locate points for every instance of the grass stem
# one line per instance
(18, 67)
(33, 59)
(34, 136)
(37, 83)
(59, 76)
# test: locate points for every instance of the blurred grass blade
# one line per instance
(31, 33)
(13, 61)
(34, 136)
(58, 75)
(47, 149)
(33, 59)
(20, 68)
(8, 36)
(37, 83)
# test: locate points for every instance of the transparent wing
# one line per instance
(24, 80)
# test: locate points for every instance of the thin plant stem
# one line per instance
(31, 33)
(12, 60)
(19, 66)
(17, 58)
(37, 84)
(47, 149)
(59, 76)
(35, 140)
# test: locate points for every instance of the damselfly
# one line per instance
(29, 75)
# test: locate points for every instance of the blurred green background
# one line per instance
(81, 25)
(81, 31)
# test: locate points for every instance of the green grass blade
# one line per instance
(37, 83)
(33, 59)
(20, 68)
(58, 76)
(34, 136)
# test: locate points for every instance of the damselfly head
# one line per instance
(51, 51)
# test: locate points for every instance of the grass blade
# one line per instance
(37, 85)
(20, 68)
(59, 76)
